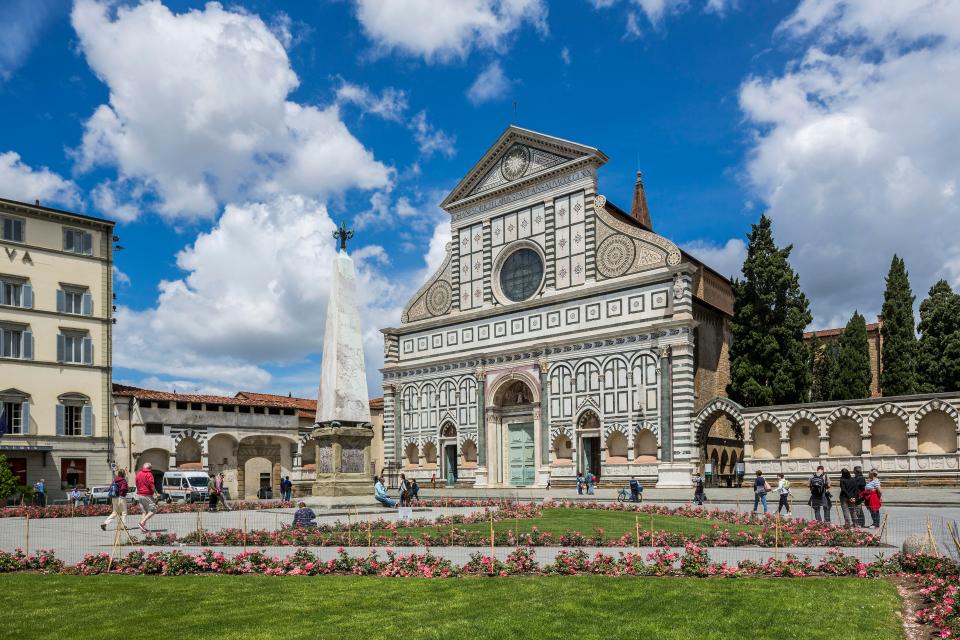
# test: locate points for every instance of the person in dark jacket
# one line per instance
(119, 501)
(404, 491)
(849, 494)
(859, 518)
(820, 495)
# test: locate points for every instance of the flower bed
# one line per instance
(770, 532)
(941, 583)
(64, 511)
(103, 510)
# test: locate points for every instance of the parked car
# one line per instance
(189, 486)
(100, 495)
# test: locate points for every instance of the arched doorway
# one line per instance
(159, 460)
(258, 478)
(448, 447)
(588, 433)
(719, 428)
(514, 403)
(189, 454)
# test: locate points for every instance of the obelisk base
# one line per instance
(344, 472)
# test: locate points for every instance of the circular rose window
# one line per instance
(521, 274)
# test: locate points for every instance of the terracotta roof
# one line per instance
(835, 332)
(306, 408)
(150, 394)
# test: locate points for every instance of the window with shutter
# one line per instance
(87, 351)
(87, 303)
(25, 417)
(61, 419)
(27, 345)
(13, 229)
(88, 420)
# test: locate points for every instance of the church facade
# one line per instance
(560, 334)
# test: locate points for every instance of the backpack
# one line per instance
(817, 486)
(114, 491)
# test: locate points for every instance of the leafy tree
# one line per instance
(823, 365)
(938, 350)
(8, 481)
(769, 362)
(898, 356)
(851, 378)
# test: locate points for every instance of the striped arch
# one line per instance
(199, 436)
(765, 417)
(646, 425)
(887, 409)
(938, 405)
(797, 416)
(713, 409)
(842, 412)
(619, 427)
(560, 430)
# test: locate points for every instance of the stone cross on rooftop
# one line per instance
(342, 234)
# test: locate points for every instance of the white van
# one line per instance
(189, 486)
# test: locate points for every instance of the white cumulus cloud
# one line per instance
(491, 84)
(198, 111)
(441, 30)
(855, 150)
(19, 181)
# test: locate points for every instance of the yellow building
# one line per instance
(56, 302)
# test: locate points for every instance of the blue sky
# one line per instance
(227, 139)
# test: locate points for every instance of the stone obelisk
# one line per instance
(343, 432)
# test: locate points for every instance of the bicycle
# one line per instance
(624, 496)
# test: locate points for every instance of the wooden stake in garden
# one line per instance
(369, 533)
(638, 533)
(883, 526)
(27, 545)
(776, 538)
(493, 557)
(349, 532)
(244, 534)
(934, 549)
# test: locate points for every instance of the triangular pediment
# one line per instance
(517, 158)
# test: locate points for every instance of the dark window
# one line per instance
(163, 404)
(196, 406)
(145, 404)
(258, 410)
(273, 411)
(288, 412)
(521, 274)
(244, 409)
(154, 428)
(181, 405)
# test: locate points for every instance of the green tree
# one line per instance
(938, 350)
(8, 481)
(852, 377)
(898, 356)
(823, 365)
(769, 362)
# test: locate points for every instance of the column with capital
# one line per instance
(544, 415)
(480, 475)
(391, 425)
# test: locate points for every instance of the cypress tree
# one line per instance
(852, 377)
(823, 363)
(899, 353)
(769, 362)
(938, 350)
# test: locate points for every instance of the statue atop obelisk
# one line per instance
(343, 432)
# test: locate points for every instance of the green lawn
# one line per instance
(251, 607)
(613, 523)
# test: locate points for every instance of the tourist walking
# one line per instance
(221, 491)
(820, 495)
(414, 492)
(433, 481)
(849, 495)
(304, 517)
(146, 495)
(783, 493)
(859, 517)
(760, 489)
(579, 483)
(118, 498)
(871, 497)
(381, 496)
(699, 495)
(591, 482)
(287, 489)
(404, 491)
(212, 494)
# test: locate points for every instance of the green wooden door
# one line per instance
(521, 454)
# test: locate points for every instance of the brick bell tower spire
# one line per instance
(638, 208)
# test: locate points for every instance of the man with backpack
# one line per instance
(820, 495)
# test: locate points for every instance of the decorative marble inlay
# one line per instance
(351, 459)
(325, 460)
(438, 298)
(615, 255)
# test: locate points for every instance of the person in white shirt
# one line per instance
(783, 490)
